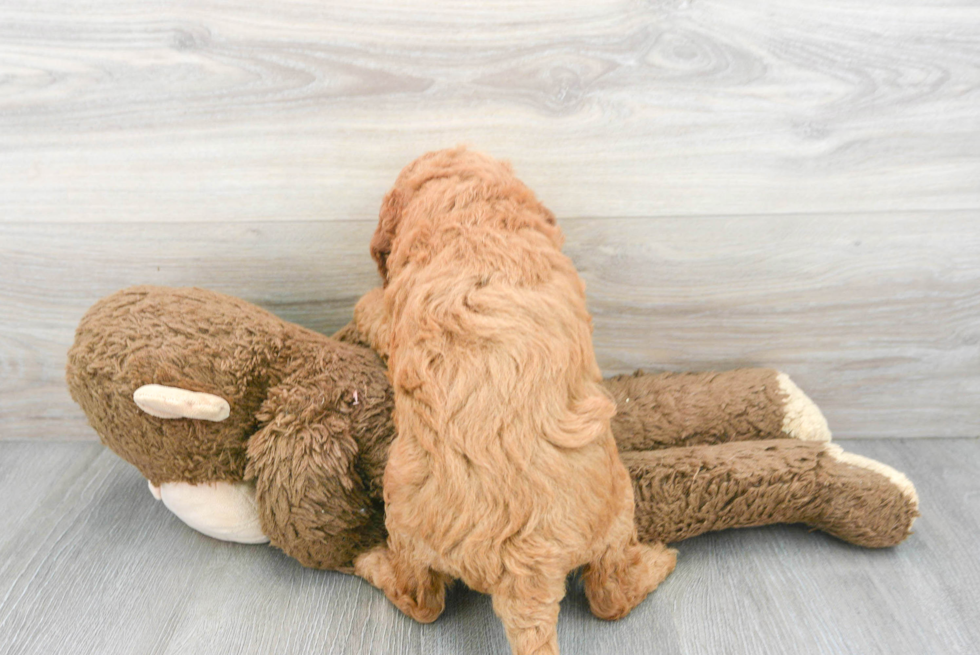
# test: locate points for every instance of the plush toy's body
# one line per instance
(309, 424)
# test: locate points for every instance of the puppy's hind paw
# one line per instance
(619, 582)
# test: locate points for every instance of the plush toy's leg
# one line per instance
(684, 492)
(411, 586)
(686, 409)
(869, 515)
(307, 468)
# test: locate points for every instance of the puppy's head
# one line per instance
(467, 176)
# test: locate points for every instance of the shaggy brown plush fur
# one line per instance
(323, 511)
(504, 472)
(703, 408)
(766, 482)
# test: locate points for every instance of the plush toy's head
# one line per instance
(437, 184)
(308, 418)
(183, 338)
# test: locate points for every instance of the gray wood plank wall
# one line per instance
(776, 183)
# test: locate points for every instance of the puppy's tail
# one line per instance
(584, 422)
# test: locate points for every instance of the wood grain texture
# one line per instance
(90, 563)
(876, 317)
(220, 111)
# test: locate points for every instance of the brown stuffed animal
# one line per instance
(254, 429)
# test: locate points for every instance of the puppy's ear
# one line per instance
(391, 211)
(552, 230)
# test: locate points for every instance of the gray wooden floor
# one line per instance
(90, 563)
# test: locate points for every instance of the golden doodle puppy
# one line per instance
(504, 473)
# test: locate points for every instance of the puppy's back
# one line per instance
(496, 380)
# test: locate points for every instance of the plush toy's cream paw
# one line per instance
(171, 402)
(223, 510)
(802, 418)
(894, 476)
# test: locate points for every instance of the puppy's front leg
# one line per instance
(372, 321)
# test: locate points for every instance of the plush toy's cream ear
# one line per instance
(171, 402)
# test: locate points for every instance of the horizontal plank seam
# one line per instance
(654, 217)
(846, 438)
